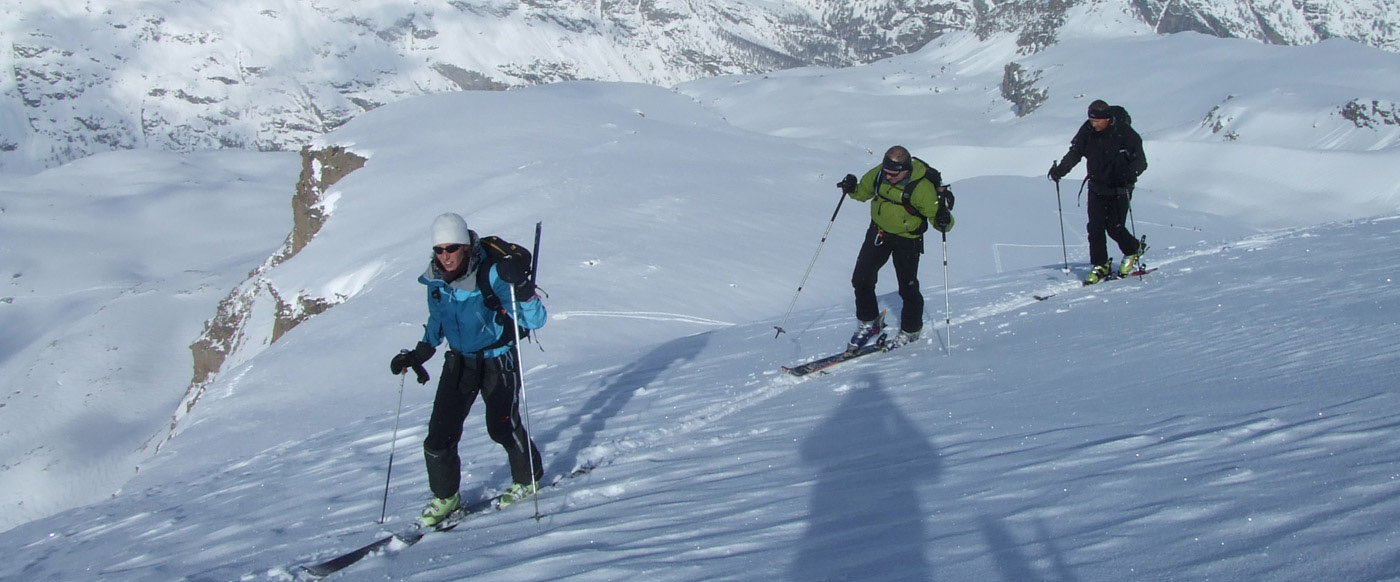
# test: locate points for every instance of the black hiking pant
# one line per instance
(1108, 211)
(497, 380)
(874, 253)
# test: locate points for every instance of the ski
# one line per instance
(412, 536)
(820, 364)
(1137, 273)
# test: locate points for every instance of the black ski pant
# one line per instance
(497, 380)
(1108, 211)
(874, 253)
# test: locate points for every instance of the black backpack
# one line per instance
(1123, 122)
(1120, 116)
(496, 248)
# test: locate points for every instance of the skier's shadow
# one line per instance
(866, 518)
(615, 391)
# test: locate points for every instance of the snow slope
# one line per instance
(1226, 417)
(110, 266)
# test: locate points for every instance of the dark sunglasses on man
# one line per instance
(452, 248)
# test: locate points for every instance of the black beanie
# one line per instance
(1099, 110)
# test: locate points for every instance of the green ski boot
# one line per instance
(438, 510)
(515, 493)
(1098, 273)
(1130, 262)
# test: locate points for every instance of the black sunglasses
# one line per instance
(447, 249)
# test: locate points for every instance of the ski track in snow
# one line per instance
(645, 315)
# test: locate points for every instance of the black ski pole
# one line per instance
(535, 253)
(520, 368)
(525, 407)
(1132, 222)
(813, 262)
(1061, 209)
(947, 307)
(393, 443)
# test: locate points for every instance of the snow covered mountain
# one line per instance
(87, 76)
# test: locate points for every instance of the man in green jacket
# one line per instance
(905, 195)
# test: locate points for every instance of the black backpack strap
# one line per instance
(904, 194)
(934, 178)
(493, 302)
(908, 207)
(483, 284)
(904, 199)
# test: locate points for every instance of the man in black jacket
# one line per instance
(1115, 160)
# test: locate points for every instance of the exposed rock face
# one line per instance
(1372, 113)
(320, 169)
(256, 312)
(1018, 87)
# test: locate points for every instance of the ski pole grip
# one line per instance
(417, 369)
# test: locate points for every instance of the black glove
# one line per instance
(413, 359)
(847, 184)
(943, 220)
(945, 198)
(515, 269)
(1055, 174)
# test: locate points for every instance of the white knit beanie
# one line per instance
(450, 228)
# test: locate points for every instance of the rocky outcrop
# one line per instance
(255, 314)
(1018, 87)
(1371, 113)
(320, 169)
